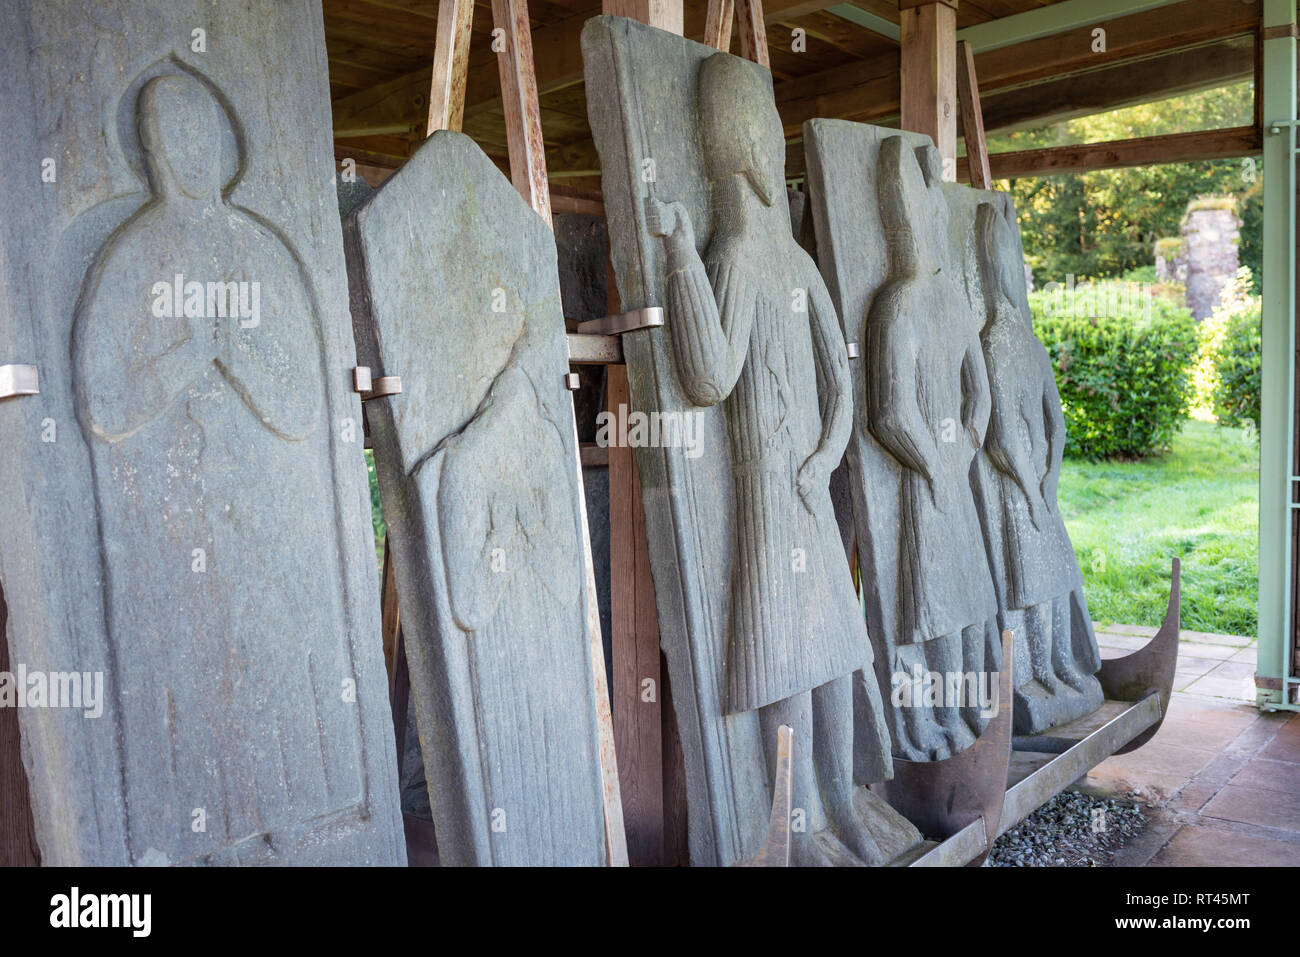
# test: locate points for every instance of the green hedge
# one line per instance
(1228, 363)
(1236, 400)
(1124, 377)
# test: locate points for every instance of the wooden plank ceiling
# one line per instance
(380, 53)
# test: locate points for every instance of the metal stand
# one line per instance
(971, 798)
(959, 800)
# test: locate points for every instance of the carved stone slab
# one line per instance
(845, 173)
(895, 265)
(1039, 584)
(758, 619)
(455, 289)
(183, 507)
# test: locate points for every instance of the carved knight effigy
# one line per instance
(956, 464)
(191, 445)
(477, 462)
(752, 341)
(1040, 587)
(923, 399)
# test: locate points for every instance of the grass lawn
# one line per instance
(1199, 502)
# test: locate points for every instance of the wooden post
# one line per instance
(753, 32)
(717, 24)
(972, 117)
(390, 617)
(664, 14)
(523, 112)
(929, 75)
(639, 720)
(450, 65)
(17, 831)
(528, 173)
(634, 625)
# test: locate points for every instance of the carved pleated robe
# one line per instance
(794, 622)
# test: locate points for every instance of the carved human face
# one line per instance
(742, 129)
(180, 130)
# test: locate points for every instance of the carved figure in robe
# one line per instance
(753, 327)
(927, 404)
(1017, 476)
(198, 423)
(512, 559)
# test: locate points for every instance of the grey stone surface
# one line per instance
(183, 508)
(351, 193)
(478, 473)
(1039, 584)
(757, 614)
(1210, 252)
(595, 486)
(900, 278)
(581, 248)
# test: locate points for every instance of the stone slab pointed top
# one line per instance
(183, 507)
(455, 288)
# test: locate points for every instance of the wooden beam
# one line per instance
(392, 106)
(717, 24)
(1117, 154)
(1114, 87)
(450, 65)
(753, 32)
(638, 732)
(968, 91)
(1179, 26)
(390, 616)
(869, 90)
(523, 114)
(1050, 18)
(571, 199)
(928, 79)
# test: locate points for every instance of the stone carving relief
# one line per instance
(752, 343)
(1039, 582)
(478, 471)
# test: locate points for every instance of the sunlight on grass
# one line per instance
(1200, 502)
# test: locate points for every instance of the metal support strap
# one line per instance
(372, 388)
(647, 318)
(17, 380)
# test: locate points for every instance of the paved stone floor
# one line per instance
(1222, 778)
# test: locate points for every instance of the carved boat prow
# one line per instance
(1150, 669)
(961, 796)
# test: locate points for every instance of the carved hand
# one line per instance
(666, 219)
(813, 476)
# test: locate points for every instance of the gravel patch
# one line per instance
(1070, 830)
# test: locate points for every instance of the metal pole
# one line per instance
(1277, 481)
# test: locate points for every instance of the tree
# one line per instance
(1103, 223)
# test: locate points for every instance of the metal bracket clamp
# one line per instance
(647, 318)
(18, 380)
(372, 388)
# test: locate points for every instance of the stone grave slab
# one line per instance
(183, 506)
(758, 617)
(883, 218)
(455, 288)
(895, 270)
